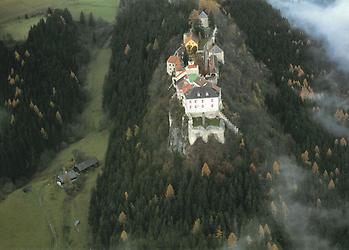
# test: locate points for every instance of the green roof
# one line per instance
(192, 77)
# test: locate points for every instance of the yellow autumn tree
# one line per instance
(305, 156)
(205, 170)
(337, 172)
(194, 17)
(13, 119)
(197, 226)
(156, 44)
(317, 149)
(325, 174)
(123, 235)
(267, 229)
(242, 143)
(253, 167)
(219, 232)
(331, 185)
(315, 168)
(343, 142)
(232, 239)
(213, 6)
(169, 191)
(26, 53)
(274, 247)
(203, 4)
(273, 208)
(59, 117)
(127, 49)
(276, 167)
(329, 152)
(122, 218)
(269, 177)
(44, 133)
(284, 208)
(18, 92)
(261, 231)
(128, 134)
(17, 56)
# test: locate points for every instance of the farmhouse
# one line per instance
(83, 166)
(67, 175)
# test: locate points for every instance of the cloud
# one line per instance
(323, 19)
(298, 220)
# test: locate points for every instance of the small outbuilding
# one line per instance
(85, 165)
(71, 175)
(204, 19)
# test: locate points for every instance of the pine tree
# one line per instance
(82, 18)
(91, 20)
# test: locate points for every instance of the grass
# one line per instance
(197, 121)
(44, 218)
(12, 12)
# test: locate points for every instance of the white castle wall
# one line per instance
(196, 132)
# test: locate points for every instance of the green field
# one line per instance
(197, 121)
(44, 218)
(12, 12)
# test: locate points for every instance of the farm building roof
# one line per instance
(87, 164)
(71, 175)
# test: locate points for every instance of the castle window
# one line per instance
(202, 106)
(211, 100)
(195, 106)
(211, 105)
(202, 101)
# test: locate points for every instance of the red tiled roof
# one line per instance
(179, 67)
(192, 66)
(186, 88)
(201, 81)
(180, 72)
(174, 59)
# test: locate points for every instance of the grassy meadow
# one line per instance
(12, 12)
(44, 218)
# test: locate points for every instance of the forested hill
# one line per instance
(40, 91)
(288, 54)
(148, 197)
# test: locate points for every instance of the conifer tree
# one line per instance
(91, 20)
(82, 18)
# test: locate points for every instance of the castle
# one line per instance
(196, 83)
